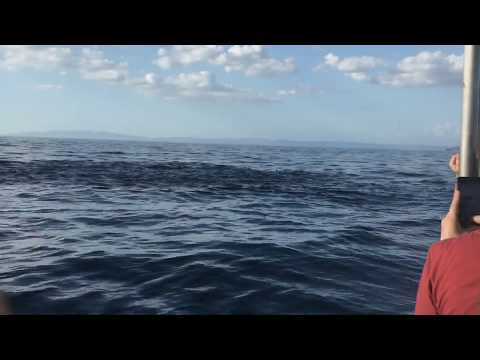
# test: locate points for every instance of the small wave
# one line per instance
(215, 178)
(409, 174)
(112, 153)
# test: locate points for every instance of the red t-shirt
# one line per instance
(450, 282)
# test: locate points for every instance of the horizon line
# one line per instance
(63, 134)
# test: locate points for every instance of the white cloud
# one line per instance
(356, 67)
(353, 64)
(247, 51)
(358, 76)
(289, 92)
(94, 66)
(38, 57)
(46, 87)
(200, 85)
(183, 55)
(269, 67)
(149, 81)
(252, 60)
(203, 85)
(192, 81)
(425, 69)
(91, 63)
(299, 90)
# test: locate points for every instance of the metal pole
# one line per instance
(469, 149)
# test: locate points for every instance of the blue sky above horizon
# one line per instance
(382, 94)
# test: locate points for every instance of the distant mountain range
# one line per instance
(99, 135)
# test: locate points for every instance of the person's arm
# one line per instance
(425, 304)
(450, 227)
(451, 223)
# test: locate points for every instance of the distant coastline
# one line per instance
(98, 135)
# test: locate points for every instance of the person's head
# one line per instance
(4, 305)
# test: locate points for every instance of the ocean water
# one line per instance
(106, 227)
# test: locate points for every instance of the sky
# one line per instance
(375, 94)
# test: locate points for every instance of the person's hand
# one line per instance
(455, 164)
(451, 227)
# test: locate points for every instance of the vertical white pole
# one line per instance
(470, 141)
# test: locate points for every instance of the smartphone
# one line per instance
(469, 188)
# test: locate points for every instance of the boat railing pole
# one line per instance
(470, 141)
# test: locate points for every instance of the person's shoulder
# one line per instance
(462, 242)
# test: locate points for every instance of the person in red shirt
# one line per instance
(450, 281)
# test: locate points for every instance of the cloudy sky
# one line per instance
(382, 94)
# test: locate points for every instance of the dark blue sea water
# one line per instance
(105, 227)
